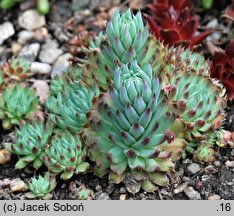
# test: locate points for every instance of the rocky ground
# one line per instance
(44, 42)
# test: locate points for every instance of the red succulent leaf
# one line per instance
(188, 29)
(229, 12)
(174, 21)
(222, 68)
(199, 38)
(230, 49)
(170, 36)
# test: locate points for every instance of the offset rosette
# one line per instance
(127, 127)
(17, 103)
(31, 140)
(66, 155)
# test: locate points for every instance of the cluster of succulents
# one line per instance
(43, 6)
(133, 106)
(173, 22)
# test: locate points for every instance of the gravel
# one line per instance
(194, 168)
(192, 194)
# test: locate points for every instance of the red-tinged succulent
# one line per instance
(229, 12)
(222, 68)
(79, 41)
(172, 22)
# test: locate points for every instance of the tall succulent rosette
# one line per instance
(126, 38)
(127, 127)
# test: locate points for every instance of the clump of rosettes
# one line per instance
(40, 187)
(17, 103)
(31, 140)
(127, 127)
(173, 23)
(65, 155)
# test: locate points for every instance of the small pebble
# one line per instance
(214, 197)
(40, 68)
(229, 164)
(6, 31)
(103, 196)
(5, 156)
(181, 188)
(18, 185)
(41, 34)
(15, 48)
(50, 44)
(49, 56)
(98, 188)
(217, 163)
(192, 194)
(31, 20)
(61, 65)
(194, 168)
(122, 197)
(30, 52)
(24, 36)
(5, 182)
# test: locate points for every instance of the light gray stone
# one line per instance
(24, 36)
(49, 56)
(30, 52)
(192, 194)
(31, 20)
(40, 68)
(17, 185)
(194, 168)
(6, 31)
(61, 65)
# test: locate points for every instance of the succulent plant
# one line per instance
(222, 68)
(31, 140)
(173, 22)
(127, 126)
(15, 70)
(184, 60)
(200, 108)
(41, 187)
(65, 155)
(126, 38)
(81, 40)
(17, 103)
(68, 109)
